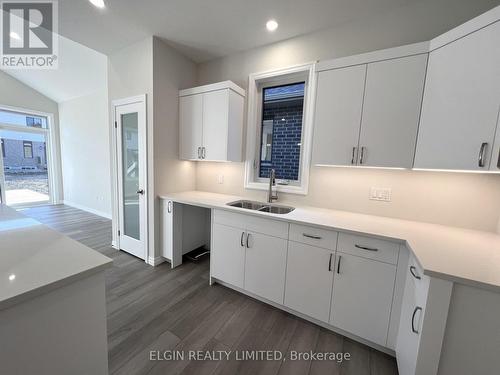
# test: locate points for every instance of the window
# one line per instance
(28, 149)
(281, 133)
(22, 119)
(280, 128)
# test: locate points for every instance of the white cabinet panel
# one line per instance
(265, 263)
(215, 124)
(211, 122)
(362, 297)
(190, 126)
(339, 101)
(461, 102)
(228, 254)
(309, 280)
(391, 111)
(313, 236)
(167, 228)
(369, 247)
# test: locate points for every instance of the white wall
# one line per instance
(171, 73)
(130, 73)
(153, 68)
(465, 200)
(85, 152)
(14, 93)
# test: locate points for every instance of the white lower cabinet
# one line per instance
(422, 324)
(362, 297)
(228, 254)
(351, 290)
(265, 263)
(309, 280)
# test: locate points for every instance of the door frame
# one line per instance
(138, 99)
(52, 150)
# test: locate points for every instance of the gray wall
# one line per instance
(458, 199)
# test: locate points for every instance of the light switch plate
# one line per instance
(380, 194)
(220, 179)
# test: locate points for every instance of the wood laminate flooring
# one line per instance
(163, 309)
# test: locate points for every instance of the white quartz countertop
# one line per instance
(35, 259)
(465, 256)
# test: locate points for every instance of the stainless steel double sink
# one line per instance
(262, 207)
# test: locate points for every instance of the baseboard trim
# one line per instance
(88, 209)
(154, 261)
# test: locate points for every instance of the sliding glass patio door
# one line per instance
(24, 159)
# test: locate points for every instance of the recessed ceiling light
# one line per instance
(12, 277)
(271, 25)
(14, 35)
(98, 3)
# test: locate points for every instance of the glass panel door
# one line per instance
(130, 174)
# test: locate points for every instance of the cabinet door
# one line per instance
(339, 100)
(167, 229)
(215, 124)
(461, 103)
(391, 111)
(309, 280)
(265, 262)
(190, 126)
(362, 297)
(408, 340)
(228, 254)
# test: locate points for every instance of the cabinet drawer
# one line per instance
(252, 223)
(313, 236)
(369, 247)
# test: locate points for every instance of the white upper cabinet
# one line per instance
(211, 122)
(191, 125)
(461, 103)
(339, 101)
(368, 108)
(391, 111)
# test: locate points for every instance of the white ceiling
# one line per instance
(205, 29)
(81, 71)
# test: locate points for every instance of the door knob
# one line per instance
(141, 191)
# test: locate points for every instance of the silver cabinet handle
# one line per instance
(241, 239)
(203, 152)
(413, 329)
(365, 248)
(481, 154)
(338, 265)
(413, 271)
(313, 236)
(248, 241)
(354, 156)
(362, 158)
(169, 206)
(330, 263)
(199, 152)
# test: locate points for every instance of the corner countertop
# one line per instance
(35, 259)
(459, 255)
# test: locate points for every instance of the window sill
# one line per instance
(299, 190)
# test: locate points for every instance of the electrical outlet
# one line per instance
(220, 179)
(380, 194)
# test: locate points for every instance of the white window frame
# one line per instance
(52, 148)
(256, 81)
